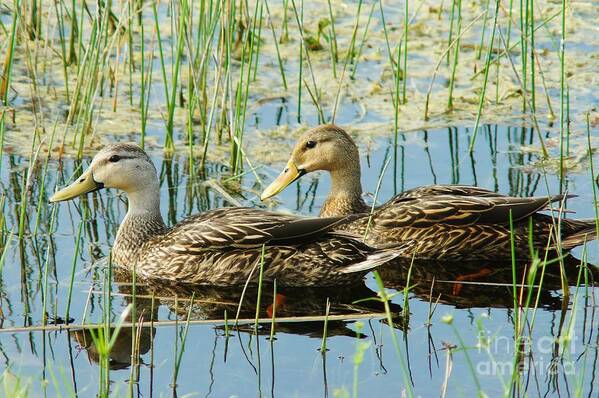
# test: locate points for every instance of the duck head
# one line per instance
(122, 166)
(326, 147)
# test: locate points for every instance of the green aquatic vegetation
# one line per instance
(5, 246)
(592, 172)
(179, 351)
(404, 97)
(276, 44)
(6, 76)
(118, 56)
(14, 386)
(348, 59)
(104, 340)
(481, 100)
(385, 298)
(259, 298)
(313, 91)
(323, 344)
(274, 313)
(456, 51)
(448, 319)
(333, 47)
(562, 96)
(363, 41)
(75, 76)
(361, 348)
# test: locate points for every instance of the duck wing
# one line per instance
(450, 189)
(241, 227)
(458, 210)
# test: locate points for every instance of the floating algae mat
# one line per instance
(51, 87)
(218, 92)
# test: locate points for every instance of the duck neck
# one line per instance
(142, 222)
(345, 196)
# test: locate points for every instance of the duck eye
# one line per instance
(310, 144)
(114, 158)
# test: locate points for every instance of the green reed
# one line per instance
(74, 263)
(448, 319)
(241, 94)
(313, 91)
(63, 46)
(259, 298)
(300, 77)
(258, 41)
(348, 59)
(376, 194)
(481, 99)
(2, 131)
(405, 54)
(406, 294)
(5, 245)
(562, 95)
(183, 11)
(398, 76)
(179, 354)
(276, 43)
(13, 385)
(27, 176)
(592, 171)
(325, 328)
(579, 383)
(3, 231)
(453, 44)
(550, 112)
(385, 297)
(456, 51)
(361, 347)
(133, 374)
(525, 96)
(542, 24)
(145, 84)
(531, 29)
(161, 57)
(484, 30)
(105, 31)
(513, 259)
(49, 255)
(104, 339)
(333, 41)
(5, 78)
(451, 24)
(42, 189)
(362, 42)
(274, 312)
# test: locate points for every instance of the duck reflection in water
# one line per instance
(299, 311)
(463, 285)
(485, 284)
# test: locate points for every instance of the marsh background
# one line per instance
(499, 94)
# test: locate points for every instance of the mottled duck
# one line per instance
(224, 246)
(442, 222)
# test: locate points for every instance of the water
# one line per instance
(292, 364)
(449, 307)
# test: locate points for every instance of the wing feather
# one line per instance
(240, 227)
(423, 212)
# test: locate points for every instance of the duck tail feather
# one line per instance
(586, 234)
(372, 261)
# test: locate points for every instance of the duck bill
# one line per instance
(287, 176)
(84, 184)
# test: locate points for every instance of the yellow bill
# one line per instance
(287, 176)
(84, 184)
